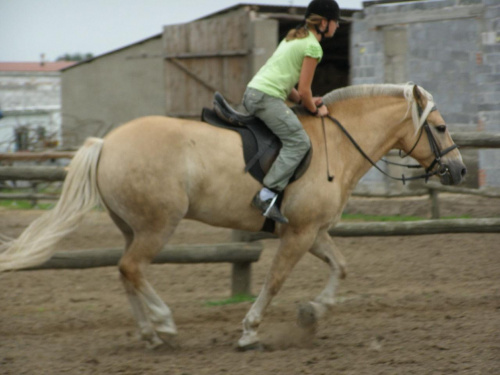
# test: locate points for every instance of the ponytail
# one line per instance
(302, 29)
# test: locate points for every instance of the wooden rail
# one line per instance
(407, 228)
(241, 255)
(477, 139)
(37, 156)
(35, 173)
(32, 173)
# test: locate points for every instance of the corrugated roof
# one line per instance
(35, 66)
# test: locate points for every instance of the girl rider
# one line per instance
(294, 61)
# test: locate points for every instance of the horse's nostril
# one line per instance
(464, 171)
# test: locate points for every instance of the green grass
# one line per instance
(239, 298)
(24, 205)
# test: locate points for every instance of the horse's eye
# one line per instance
(441, 128)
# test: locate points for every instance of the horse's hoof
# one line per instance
(249, 341)
(153, 342)
(307, 316)
(256, 346)
(169, 339)
(153, 345)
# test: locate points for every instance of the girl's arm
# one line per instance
(305, 81)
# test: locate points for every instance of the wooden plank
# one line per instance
(434, 196)
(477, 139)
(28, 197)
(216, 59)
(32, 173)
(236, 74)
(410, 228)
(180, 254)
(486, 225)
(241, 278)
(195, 76)
(174, 41)
(40, 156)
(487, 192)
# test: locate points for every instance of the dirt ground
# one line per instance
(410, 305)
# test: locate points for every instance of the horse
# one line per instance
(154, 171)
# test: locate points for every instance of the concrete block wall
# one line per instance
(488, 95)
(453, 51)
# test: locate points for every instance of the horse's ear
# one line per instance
(419, 98)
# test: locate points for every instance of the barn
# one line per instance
(450, 47)
(176, 72)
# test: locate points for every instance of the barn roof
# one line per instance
(114, 51)
(296, 11)
(35, 66)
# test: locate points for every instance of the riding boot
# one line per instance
(268, 207)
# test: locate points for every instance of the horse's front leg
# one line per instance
(293, 245)
(324, 248)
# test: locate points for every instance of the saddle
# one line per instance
(260, 145)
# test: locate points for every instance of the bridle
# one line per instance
(429, 171)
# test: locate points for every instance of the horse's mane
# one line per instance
(399, 90)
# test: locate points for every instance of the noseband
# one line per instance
(438, 153)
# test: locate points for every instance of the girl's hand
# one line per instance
(317, 100)
(322, 111)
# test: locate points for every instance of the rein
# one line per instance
(432, 142)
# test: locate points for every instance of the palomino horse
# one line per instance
(154, 171)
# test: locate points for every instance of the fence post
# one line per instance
(434, 196)
(34, 189)
(241, 278)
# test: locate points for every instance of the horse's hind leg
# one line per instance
(146, 329)
(153, 315)
(324, 248)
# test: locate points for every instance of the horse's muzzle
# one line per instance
(452, 173)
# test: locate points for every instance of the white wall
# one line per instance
(29, 99)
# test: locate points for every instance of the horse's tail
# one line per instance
(79, 195)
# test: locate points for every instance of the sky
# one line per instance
(29, 28)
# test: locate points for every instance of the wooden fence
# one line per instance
(383, 229)
(240, 255)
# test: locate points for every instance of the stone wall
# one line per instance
(452, 49)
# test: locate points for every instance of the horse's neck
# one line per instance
(375, 124)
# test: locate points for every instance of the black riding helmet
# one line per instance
(324, 8)
(328, 9)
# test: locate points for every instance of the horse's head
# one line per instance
(431, 144)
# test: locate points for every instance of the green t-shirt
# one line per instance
(281, 72)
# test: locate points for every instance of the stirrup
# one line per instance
(273, 201)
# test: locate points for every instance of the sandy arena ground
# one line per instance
(410, 305)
